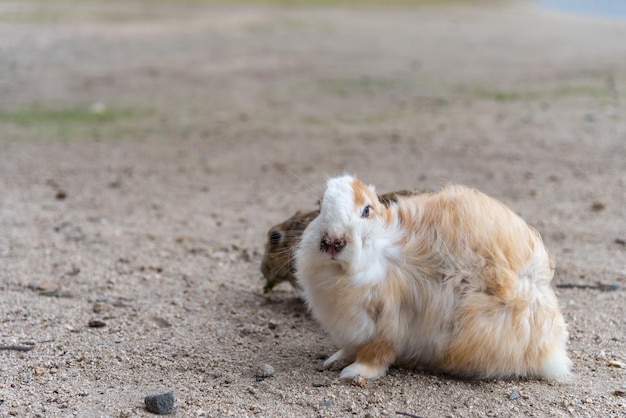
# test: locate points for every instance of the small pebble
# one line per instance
(326, 404)
(45, 286)
(513, 396)
(620, 392)
(359, 380)
(97, 324)
(161, 322)
(264, 370)
(116, 184)
(598, 206)
(47, 289)
(162, 404)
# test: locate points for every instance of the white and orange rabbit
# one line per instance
(452, 281)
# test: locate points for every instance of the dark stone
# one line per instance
(162, 404)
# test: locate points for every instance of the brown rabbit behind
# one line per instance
(278, 265)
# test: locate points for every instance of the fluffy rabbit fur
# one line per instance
(452, 281)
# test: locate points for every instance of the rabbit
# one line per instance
(451, 281)
(277, 264)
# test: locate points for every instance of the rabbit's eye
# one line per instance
(366, 212)
(275, 237)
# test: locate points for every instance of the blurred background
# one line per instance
(146, 147)
(145, 68)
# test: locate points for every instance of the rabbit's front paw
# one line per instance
(364, 370)
(334, 359)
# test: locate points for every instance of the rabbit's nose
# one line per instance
(332, 245)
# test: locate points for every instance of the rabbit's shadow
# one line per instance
(285, 304)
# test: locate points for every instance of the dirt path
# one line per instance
(146, 149)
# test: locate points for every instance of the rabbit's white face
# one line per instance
(351, 230)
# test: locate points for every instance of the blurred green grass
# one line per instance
(79, 115)
(357, 85)
(585, 91)
(70, 123)
(44, 12)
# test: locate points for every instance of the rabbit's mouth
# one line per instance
(333, 253)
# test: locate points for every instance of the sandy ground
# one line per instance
(145, 149)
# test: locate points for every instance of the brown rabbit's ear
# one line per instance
(387, 199)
